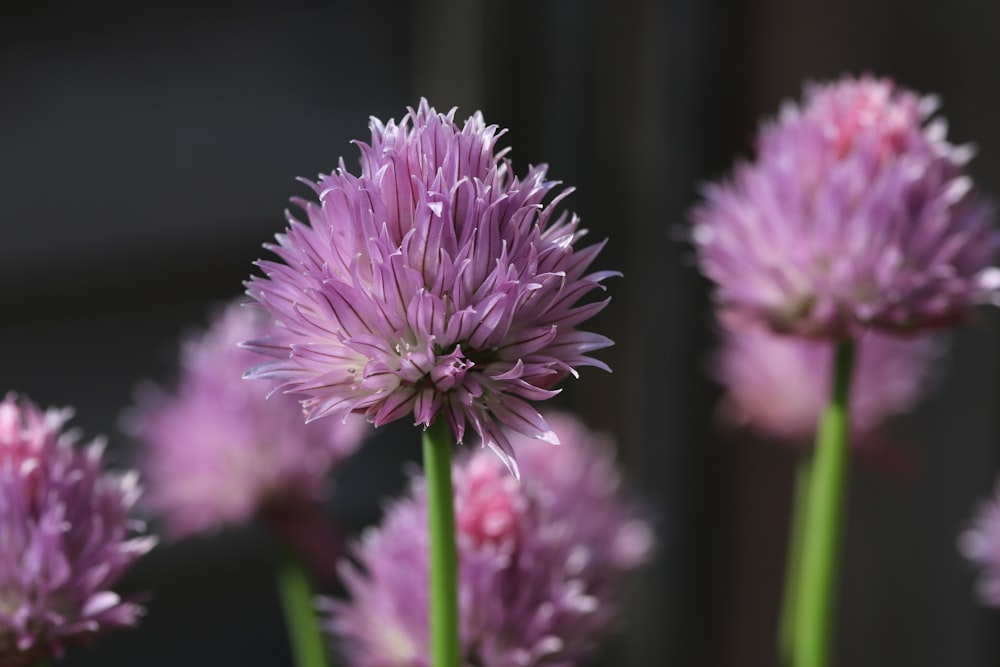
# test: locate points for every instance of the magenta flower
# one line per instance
(217, 451)
(64, 536)
(436, 283)
(777, 386)
(980, 543)
(540, 561)
(857, 213)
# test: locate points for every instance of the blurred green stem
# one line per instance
(443, 558)
(297, 601)
(793, 565)
(815, 605)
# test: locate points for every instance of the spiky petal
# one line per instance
(857, 213)
(540, 562)
(65, 536)
(435, 283)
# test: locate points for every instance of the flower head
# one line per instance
(980, 543)
(857, 213)
(778, 385)
(217, 450)
(64, 536)
(435, 283)
(540, 562)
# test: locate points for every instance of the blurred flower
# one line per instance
(857, 213)
(980, 543)
(218, 451)
(64, 536)
(436, 283)
(778, 386)
(540, 562)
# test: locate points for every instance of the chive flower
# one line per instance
(217, 451)
(980, 544)
(434, 283)
(777, 386)
(857, 213)
(541, 562)
(66, 536)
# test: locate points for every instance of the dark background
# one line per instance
(147, 151)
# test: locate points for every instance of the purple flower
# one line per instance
(857, 213)
(64, 536)
(980, 543)
(778, 385)
(436, 283)
(217, 450)
(540, 561)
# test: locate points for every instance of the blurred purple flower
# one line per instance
(217, 451)
(436, 283)
(980, 543)
(64, 536)
(777, 386)
(857, 213)
(540, 562)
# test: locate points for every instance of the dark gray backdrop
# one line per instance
(147, 152)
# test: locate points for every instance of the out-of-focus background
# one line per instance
(147, 151)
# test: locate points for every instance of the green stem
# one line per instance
(443, 557)
(304, 635)
(793, 566)
(815, 607)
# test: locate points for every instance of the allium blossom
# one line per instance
(436, 283)
(980, 543)
(777, 386)
(541, 562)
(65, 536)
(857, 213)
(217, 450)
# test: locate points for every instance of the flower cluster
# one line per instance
(857, 213)
(540, 562)
(217, 450)
(435, 283)
(777, 386)
(65, 536)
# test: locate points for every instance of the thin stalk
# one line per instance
(793, 564)
(443, 557)
(815, 608)
(297, 601)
